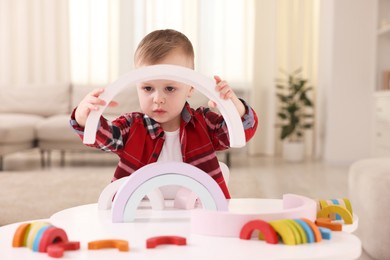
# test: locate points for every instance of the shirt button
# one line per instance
(155, 155)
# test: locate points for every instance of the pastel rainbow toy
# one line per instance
(177, 73)
(43, 237)
(291, 231)
(152, 176)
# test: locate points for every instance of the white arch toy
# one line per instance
(179, 74)
(156, 175)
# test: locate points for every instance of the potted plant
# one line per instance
(295, 111)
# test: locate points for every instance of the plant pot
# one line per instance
(293, 151)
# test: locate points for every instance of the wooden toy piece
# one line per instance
(38, 237)
(162, 180)
(107, 195)
(284, 231)
(229, 224)
(344, 213)
(327, 223)
(121, 245)
(185, 199)
(324, 204)
(268, 233)
(153, 242)
(301, 235)
(18, 239)
(57, 250)
(336, 202)
(307, 229)
(176, 73)
(297, 236)
(201, 181)
(348, 205)
(34, 228)
(52, 235)
(156, 199)
(326, 233)
(314, 228)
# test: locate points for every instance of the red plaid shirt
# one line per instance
(138, 140)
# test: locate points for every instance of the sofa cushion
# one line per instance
(44, 100)
(56, 128)
(127, 99)
(17, 128)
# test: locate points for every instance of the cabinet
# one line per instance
(381, 133)
(383, 46)
(381, 144)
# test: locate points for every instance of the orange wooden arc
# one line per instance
(19, 235)
(314, 228)
(269, 234)
(121, 245)
(327, 223)
(165, 240)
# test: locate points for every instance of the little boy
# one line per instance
(168, 129)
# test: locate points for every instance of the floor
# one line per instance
(256, 177)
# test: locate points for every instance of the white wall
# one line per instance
(346, 77)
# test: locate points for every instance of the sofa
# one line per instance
(37, 116)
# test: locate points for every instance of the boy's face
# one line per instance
(163, 100)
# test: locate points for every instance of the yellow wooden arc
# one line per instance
(343, 212)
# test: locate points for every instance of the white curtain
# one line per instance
(286, 36)
(105, 34)
(34, 42)
(94, 29)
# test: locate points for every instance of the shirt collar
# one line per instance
(154, 128)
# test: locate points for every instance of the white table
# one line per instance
(86, 223)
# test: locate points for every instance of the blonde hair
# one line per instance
(158, 44)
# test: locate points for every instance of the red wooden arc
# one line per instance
(165, 240)
(265, 228)
(51, 236)
(57, 250)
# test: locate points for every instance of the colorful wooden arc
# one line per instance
(177, 73)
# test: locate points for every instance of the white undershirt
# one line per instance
(171, 151)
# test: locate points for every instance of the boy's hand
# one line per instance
(91, 102)
(226, 92)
